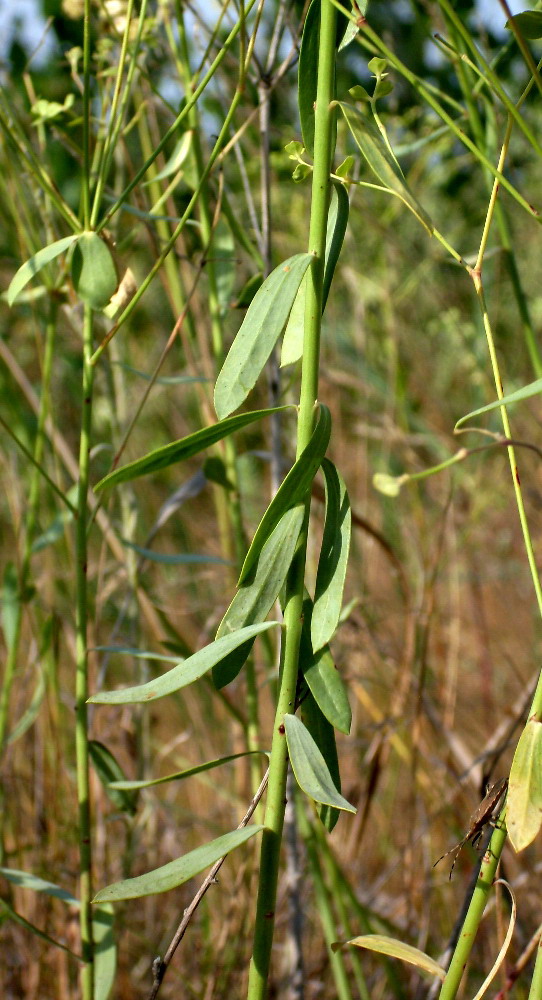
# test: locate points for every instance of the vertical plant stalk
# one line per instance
(278, 766)
(81, 670)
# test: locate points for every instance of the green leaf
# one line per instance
(176, 872)
(109, 770)
(337, 220)
(397, 949)
(262, 326)
(307, 76)
(331, 573)
(94, 274)
(529, 23)
(168, 559)
(36, 263)
(532, 389)
(177, 158)
(28, 881)
(524, 801)
(227, 670)
(33, 929)
(373, 148)
(309, 767)
(222, 253)
(181, 775)
(30, 715)
(292, 490)
(105, 951)
(10, 604)
(184, 673)
(179, 451)
(322, 677)
(323, 735)
(254, 599)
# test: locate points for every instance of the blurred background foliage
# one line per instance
(441, 645)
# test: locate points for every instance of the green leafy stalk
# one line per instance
(274, 813)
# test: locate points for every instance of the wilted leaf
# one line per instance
(397, 949)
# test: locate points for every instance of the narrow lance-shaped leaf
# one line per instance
(109, 770)
(309, 767)
(307, 76)
(262, 326)
(373, 148)
(185, 673)
(292, 343)
(524, 802)
(36, 263)
(323, 679)
(253, 600)
(292, 490)
(181, 775)
(397, 949)
(333, 559)
(323, 735)
(176, 872)
(26, 880)
(179, 451)
(532, 389)
(105, 951)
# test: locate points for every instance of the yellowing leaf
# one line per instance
(397, 949)
(524, 802)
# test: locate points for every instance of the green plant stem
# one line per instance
(278, 766)
(475, 913)
(81, 670)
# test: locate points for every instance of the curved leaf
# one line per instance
(309, 767)
(323, 735)
(524, 801)
(373, 148)
(176, 872)
(254, 600)
(262, 326)
(292, 343)
(94, 274)
(179, 451)
(292, 490)
(184, 673)
(109, 770)
(28, 881)
(33, 266)
(529, 23)
(322, 677)
(397, 949)
(180, 775)
(333, 559)
(307, 76)
(532, 389)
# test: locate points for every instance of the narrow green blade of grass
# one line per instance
(36, 263)
(309, 767)
(292, 490)
(262, 326)
(323, 735)
(333, 559)
(524, 800)
(181, 775)
(292, 343)
(532, 389)
(373, 148)
(253, 600)
(176, 872)
(109, 770)
(179, 451)
(391, 946)
(168, 559)
(184, 673)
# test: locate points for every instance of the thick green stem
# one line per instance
(278, 767)
(81, 671)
